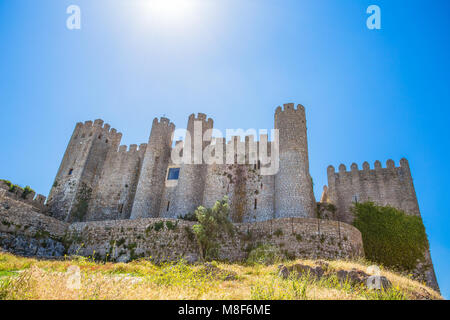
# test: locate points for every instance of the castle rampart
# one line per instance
(385, 186)
(151, 237)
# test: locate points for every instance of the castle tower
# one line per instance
(293, 185)
(83, 160)
(150, 187)
(191, 182)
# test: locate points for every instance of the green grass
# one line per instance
(27, 278)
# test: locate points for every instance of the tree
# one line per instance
(212, 223)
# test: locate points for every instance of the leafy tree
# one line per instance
(212, 223)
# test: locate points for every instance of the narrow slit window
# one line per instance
(168, 205)
(70, 172)
(259, 164)
(121, 208)
(256, 203)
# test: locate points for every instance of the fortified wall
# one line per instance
(391, 186)
(385, 186)
(98, 180)
(29, 233)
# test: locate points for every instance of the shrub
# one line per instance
(278, 232)
(264, 254)
(191, 216)
(171, 226)
(390, 236)
(26, 191)
(213, 223)
(158, 225)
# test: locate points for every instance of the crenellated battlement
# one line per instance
(201, 117)
(97, 127)
(390, 164)
(389, 185)
(37, 201)
(163, 121)
(289, 108)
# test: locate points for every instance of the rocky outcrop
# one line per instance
(353, 277)
(31, 247)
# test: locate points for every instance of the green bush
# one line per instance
(191, 216)
(213, 223)
(264, 254)
(26, 191)
(390, 236)
(171, 226)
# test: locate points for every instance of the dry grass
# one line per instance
(26, 278)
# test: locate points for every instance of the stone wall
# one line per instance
(391, 186)
(26, 232)
(385, 186)
(170, 239)
(114, 193)
(37, 201)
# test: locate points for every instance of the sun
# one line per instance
(170, 9)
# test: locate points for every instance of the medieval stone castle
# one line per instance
(103, 190)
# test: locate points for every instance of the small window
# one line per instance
(121, 208)
(100, 136)
(168, 205)
(70, 172)
(106, 141)
(259, 164)
(256, 203)
(173, 174)
(355, 198)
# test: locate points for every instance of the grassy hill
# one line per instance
(27, 278)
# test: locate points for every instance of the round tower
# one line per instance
(294, 195)
(152, 177)
(191, 182)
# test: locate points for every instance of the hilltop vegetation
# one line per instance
(27, 278)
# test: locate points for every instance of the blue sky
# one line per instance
(369, 94)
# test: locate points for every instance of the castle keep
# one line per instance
(105, 194)
(98, 180)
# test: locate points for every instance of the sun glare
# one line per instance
(174, 10)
